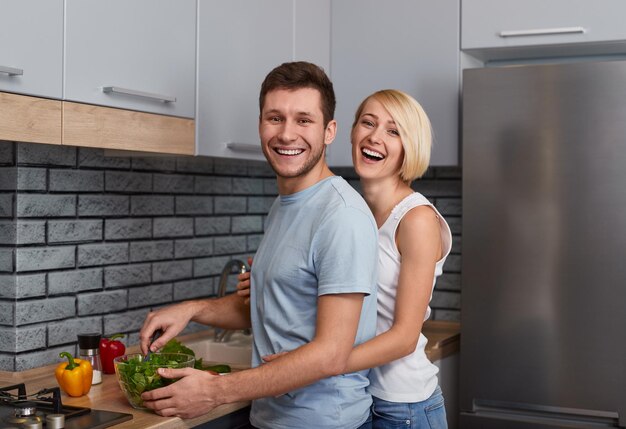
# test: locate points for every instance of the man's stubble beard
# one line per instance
(306, 168)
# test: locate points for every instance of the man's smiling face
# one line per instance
(293, 136)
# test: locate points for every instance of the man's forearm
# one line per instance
(229, 312)
(296, 369)
(326, 355)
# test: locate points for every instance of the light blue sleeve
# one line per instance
(345, 253)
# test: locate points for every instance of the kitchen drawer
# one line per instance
(488, 24)
(136, 55)
(31, 47)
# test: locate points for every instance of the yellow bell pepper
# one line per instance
(75, 376)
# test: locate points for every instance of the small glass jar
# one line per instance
(89, 350)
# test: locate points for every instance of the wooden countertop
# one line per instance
(108, 396)
(443, 340)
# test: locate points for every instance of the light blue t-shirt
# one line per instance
(322, 240)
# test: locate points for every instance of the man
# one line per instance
(313, 281)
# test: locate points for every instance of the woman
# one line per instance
(391, 140)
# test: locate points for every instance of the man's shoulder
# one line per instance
(345, 207)
(347, 194)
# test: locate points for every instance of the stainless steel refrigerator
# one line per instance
(543, 325)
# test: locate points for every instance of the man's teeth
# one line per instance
(371, 153)
(289, 151)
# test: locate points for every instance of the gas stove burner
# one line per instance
(45, 409)
(25, 415)
(25, 409)
(25, 420)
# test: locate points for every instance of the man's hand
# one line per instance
(171, 320)
(192, 395)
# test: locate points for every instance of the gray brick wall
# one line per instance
(90, 242)
(66, 231)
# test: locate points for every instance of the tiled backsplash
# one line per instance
(92, 241)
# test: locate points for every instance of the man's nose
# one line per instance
(288, 131)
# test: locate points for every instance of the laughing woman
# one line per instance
(391, 140)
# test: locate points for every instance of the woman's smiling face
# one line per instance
(376, 144)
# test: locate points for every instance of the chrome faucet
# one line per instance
(223, 335)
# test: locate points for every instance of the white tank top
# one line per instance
(412, 378)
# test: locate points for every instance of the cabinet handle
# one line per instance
(126, 91)
(244, 147)
(543, 32)
(11, 71)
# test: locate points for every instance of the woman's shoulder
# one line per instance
(409, 202)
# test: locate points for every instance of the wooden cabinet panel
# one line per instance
(30, 119)
(105, 127)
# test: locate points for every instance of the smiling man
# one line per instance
(313, 283)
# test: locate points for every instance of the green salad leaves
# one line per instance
(137, 376)
(175, 346)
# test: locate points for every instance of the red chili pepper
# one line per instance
(110, 348)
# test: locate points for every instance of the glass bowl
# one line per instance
(136, 376)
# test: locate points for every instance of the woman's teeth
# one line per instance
(372, 154)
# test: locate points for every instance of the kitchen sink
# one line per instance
(236, 351)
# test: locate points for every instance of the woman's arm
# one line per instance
(419, 242)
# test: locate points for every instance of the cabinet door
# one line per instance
(132, 54)
(31, 47)
(510, 23)
(410, 45)
(239, 42)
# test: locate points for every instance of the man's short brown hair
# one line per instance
(301, 74)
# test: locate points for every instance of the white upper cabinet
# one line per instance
(131, 54)
(239, 42)
(31, 47)
(571, 27)
(410, 45)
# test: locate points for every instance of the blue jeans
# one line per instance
(426, 414)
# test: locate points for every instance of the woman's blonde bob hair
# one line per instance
(414, 128)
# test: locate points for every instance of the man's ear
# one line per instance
(330, 132)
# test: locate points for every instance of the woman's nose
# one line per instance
(376, 136)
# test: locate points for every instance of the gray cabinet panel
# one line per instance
(145, 46)
(312, 32)
(235, 55)
(513, 23)
(31, 47)
(410, 45)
